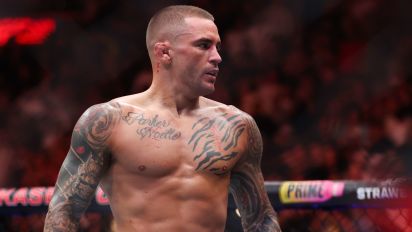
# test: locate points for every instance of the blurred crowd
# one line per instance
(329, 84)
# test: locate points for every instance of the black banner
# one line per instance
(316, 194)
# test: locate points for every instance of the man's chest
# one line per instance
(156, 145)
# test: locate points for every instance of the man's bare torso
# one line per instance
(171, 173)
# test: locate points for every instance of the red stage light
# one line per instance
(26, 30)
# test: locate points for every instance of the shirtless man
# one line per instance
(167, 157)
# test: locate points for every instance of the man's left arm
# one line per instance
(247, 185)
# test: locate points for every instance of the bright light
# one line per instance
(238, 213)
(27, 31)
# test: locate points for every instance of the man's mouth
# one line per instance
(213, 72)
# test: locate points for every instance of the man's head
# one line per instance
(168, 22)
(183, 41)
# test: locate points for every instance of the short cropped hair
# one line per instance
(166, 22)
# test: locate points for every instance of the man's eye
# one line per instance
(204, 46)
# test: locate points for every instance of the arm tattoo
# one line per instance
(209, 147)
(247, 186)
(85, 163)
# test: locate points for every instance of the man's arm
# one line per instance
(247, 186)
(84, 166)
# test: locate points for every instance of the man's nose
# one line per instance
(215, 57)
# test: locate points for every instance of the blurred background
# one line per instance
(329, 83)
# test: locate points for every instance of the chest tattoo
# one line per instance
(216, 139)
(152, 127)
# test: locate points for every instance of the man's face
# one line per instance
(195, 56)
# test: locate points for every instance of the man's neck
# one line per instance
(170, 98)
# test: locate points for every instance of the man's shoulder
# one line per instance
(222, 108)
(99, 112)
(103, 108)
(134, 100)
(123, 103)
(218, 106)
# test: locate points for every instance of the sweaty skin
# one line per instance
(163, 173)
(165, 169)
(179, 181)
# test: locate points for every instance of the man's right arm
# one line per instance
(84, 166)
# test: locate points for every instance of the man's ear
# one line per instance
(162, 52)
